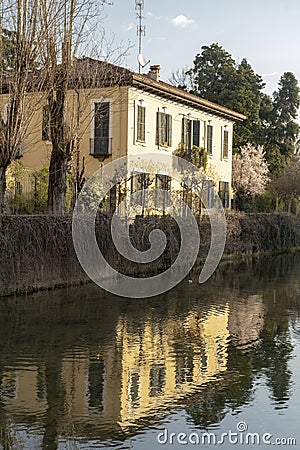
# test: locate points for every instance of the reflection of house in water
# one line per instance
(246, 320)
(158, 368)
(145, 368)
(20, 388)
(150, 363)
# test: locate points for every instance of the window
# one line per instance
(225, 143)
(140, 183)
(190, 133)
(162, 182)
(141, 124)
(157, 380)
(19, 151)
(209, 139)
(100, 143)
(224, 193)
(209, 190)
(113, 199)
(163, 129)
(46, 132)
(134, 387)
(96, 374)
(196, 133)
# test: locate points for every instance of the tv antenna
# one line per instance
(141, 31)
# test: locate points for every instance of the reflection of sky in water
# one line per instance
(112, 370)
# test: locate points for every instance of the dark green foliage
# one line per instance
(264, 203)
(282, 130)
(270, 121)
(275, 158)
(214, 74)
(219, 79)
(198, 155)
(9, 50)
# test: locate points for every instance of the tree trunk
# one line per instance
(2, 187)
(55, 401)
(290, 205)
(253, 203)
(57, 183)
(277, 204)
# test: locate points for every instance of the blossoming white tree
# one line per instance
(250, 172)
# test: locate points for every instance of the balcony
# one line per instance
(101, 146)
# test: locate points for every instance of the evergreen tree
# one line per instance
(270, 122)
(247, 100)
(214, 74)
(219, 79)
(9, 44)
(279, 130)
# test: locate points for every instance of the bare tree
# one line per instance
(22, 16)
(182, 78)
(69, 25)
(287, 185)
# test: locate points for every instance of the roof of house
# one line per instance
(88, 72)
(106, 74)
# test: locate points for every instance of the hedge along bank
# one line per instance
(37, 251)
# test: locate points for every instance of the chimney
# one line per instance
(154, 72)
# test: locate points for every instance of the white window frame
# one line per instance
(144, 105)
(229, 187)
(223, 140)
(101, 100)
(165, 110)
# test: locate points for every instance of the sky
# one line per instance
(266, 32)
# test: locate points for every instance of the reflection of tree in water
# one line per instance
(271, 359)
(55, 401)
(5, 438)
(211, 406)
(268, 359)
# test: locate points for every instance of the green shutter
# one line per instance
(209, 139)
(225, 144)
(157, 128)
(184, 132)
(169, 130)
(141, 114)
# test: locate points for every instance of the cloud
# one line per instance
(272, 74)
(159, 39)
(127, 27)
(182, 21)
(153, 16)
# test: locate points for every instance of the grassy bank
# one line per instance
(37, 251)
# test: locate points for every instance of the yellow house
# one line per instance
(113, 112)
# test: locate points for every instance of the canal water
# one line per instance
(207, 366)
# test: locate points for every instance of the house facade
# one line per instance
(129, 113)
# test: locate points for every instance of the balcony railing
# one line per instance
(101, 146)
